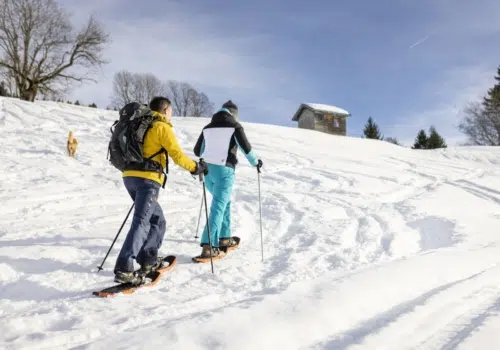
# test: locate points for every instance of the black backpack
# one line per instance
(125, 150)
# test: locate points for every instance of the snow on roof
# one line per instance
(327, 108)
(320, 107)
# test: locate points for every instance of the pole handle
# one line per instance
(202, 175)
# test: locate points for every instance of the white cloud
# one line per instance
(458, 87)
(184, 45)
(180, 46)
(463, 37)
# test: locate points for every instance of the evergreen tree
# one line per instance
(371, 130)
(435, 140)
(481, 122)
(77, 103)
(491, 104)
(421, 140)
(93, 105)
(492, 101)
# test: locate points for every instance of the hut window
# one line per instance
(319, 116)
(336, 123)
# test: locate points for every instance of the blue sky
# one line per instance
(408, 64)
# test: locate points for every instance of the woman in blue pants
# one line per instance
(218, 144)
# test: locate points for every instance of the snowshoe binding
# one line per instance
(217, 253)
(138, 279)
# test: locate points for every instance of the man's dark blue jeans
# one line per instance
(148, 227)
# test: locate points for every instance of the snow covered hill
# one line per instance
(367, 245)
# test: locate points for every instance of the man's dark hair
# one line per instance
(159, 103)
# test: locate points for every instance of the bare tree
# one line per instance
(122, 88)
(392, 140)
(179, 93)
(139, 87)
(38, 46)
(481, 125)
(200, 105)
(187, 101)
(142, 87)
(52, 95)
(147, 86)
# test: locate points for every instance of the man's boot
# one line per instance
(146, 269)
(127, 277)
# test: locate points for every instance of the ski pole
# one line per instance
(260, 212)
(202, 179)
(199, 217)
(99, 268)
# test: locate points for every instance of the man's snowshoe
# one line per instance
(148, 279)
(217, 253)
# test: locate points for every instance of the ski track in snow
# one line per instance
(367, 245)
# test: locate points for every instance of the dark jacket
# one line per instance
(219, 141)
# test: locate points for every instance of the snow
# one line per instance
(368, 246)
(327, 108)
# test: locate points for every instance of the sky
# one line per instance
(407, 64)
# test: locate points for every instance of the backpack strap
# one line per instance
(148, 164)
(111, 130)
(162, 150)
(164, 172)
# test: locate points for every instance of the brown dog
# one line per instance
(71, 145)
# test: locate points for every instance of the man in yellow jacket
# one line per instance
(148, 224)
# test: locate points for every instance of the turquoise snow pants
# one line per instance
(219, 182)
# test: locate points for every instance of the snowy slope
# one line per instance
(367, 245)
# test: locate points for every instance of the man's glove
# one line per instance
(201, 167)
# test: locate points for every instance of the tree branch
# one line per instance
(40, 47)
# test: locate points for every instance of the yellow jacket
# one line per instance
(161, 134)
